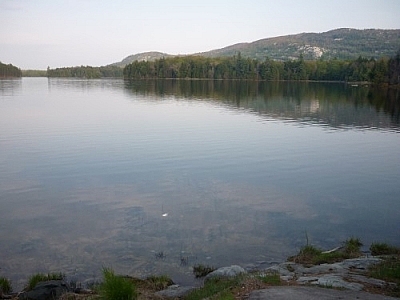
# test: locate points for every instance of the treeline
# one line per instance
(34, 73)
(383, 70)
(9, 70)
(86, 72)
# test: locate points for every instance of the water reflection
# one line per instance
(335, 105)
(10, 87)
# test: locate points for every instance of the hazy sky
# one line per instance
(35, 34)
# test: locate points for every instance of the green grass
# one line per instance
(202, 270)
(306, 255)
(383, 249)
(270, 279)
(224, 295)
(328, 258)
(40, 277)
(310, 250)
(5, 285)
(215, 288)
(310, 255)
(388, 270)
(229, 288)
(116, 287)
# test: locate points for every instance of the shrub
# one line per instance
(352, 247)
(116, 287)
(40, 277)
(5, 285)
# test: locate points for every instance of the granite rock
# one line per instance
(231, 271)
(47, 290)
(175, 291)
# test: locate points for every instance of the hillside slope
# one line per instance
(145, 56)
(344, 43)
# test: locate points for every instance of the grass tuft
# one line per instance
(116, 287)
(159, 283)
(306, 255)
(352, 247)
(310, 255)
(5, 285)
(40, 277)
(383, 249)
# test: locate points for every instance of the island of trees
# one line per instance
(9, 71)
(379, 71)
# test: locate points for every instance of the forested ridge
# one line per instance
(380, 71)
(7, 71)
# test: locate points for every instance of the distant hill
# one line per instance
(145, 56)
(344, 43)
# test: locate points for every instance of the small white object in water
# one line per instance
(164, 215)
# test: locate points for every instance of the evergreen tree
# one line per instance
(394, 69)
(9, 71)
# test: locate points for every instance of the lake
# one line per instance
(152, 177)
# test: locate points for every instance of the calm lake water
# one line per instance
(142, 176)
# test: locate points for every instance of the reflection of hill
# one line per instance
(334, 105)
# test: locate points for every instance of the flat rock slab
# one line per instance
(312, 293)
(334, 281)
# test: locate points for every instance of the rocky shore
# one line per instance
(347, 279)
